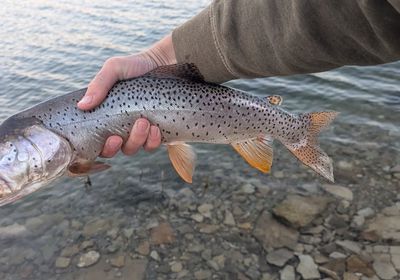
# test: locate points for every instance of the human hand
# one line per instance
(120, 68)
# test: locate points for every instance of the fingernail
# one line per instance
(113, 144)
(86, 100)
(142, 125)
(154, 131)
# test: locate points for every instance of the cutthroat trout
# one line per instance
(55, 138)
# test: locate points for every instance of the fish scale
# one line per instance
(186, 109)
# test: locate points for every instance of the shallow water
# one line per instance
(48, 48)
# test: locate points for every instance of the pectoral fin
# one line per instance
(85, 167)
(257, 152)
(183, 159)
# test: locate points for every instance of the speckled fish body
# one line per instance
(185, 108)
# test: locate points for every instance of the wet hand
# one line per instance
(143, 134)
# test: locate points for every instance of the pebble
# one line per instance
(154, 255)
(247, 189)
(337, 255)
(197, 217)
(299, 211)
(383, 267)
(144, 248)
(62, 262)
(307, 267)
(202, 274)
(229, 219)
(273, 234)
(349, 245)
(357, 222)
(118, 261)
(12, 231)
(338, 191)
(88, 259)
(357, 265)
(366, 212)
(96, 226)
(287, 273)
(176, 267)
(162, 234)
(279, 257)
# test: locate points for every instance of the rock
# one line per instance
(96, 226)
(273, 234)
(134, 269)
(350, 246)
(247, 189)
(88, 259)
(113, 233)
(350, 276)
(338, 191)
(176, 267)
(162, 234)
(154, 255)
(144, 248)
(329, 273)
(384, 227)
(337, 255)
(357, 222)
(287, 273)
(343, 206)
(338, 266)
(229, 219)
(205, 210)
(87, 244)
(345, 165)
(118, 261)
(279, 257)
(197, 217)
(299, 211)
(207, 228)
(13, 231)
(62, 262)
(307, 267)
(220, 261)
(128, 232)
(357, 265)
(202, 274)
(383, 266)
(366, 212)
(395, 256)
(70, 251)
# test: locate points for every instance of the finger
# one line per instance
(101, 84)
(137, 137)
(154, 139)
(112, 146)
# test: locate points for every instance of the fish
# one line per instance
(55, 138)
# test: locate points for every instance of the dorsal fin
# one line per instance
(187, 71)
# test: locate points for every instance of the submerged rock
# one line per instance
(338, 191)
(307, 268)
(299, 211)
(88, 259)
(273, 234)
(162, 234)
(279, 257)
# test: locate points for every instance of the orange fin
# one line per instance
(183, 159)
(257, 152)
(308, 150)
(85, 167)
(275, 100)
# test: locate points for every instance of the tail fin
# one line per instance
(308, 151)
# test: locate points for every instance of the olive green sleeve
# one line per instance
(258, 38)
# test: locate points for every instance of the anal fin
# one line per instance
(183, 159)
(257, 152)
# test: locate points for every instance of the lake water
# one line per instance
(48, 48)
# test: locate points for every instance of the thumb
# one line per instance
(101, 84)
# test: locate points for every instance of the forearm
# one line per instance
(258, 38)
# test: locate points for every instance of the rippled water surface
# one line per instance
(48, 48)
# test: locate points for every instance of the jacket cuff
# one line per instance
(194, 42)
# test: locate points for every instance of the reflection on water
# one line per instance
(48, 48)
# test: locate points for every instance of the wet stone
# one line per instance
(202, 274)
(357, 265)
(383, 267)
(338, 191)
(307, 267)
(13, 231)
(229, 219)
(299, 211)
(118, 261)
(162, 234)
(287, 273)
(88, 259)
(70, 251)
(96, 226)
(273, 234)
(62, 262)
(279, 257)
(176, 267)
(144, 248)
(349, 246)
